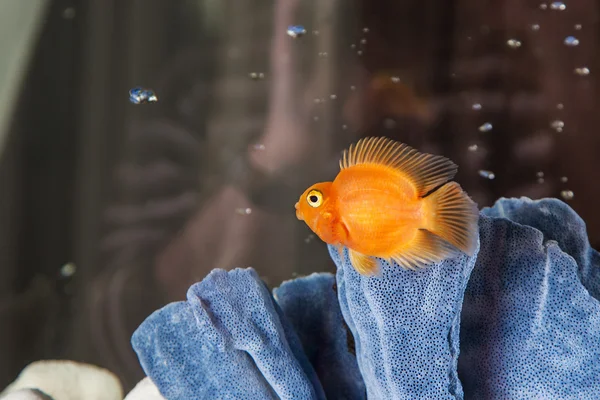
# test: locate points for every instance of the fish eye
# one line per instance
(314, 198)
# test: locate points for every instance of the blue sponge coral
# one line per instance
(530, 328)
(518, 320)
(228, 341)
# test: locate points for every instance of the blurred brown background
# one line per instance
(145, 200)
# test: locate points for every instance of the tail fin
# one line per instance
(452, 215)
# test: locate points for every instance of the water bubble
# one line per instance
(476, 106)
(578, 27)
(571, 41)
(243, 211)
(485, 127)
(473, 147)
(582, 71)
(564, 179)
(139, 95)
(333, 96)
(68, 270)
(567, 194)
(558, 5)
(543, 6)
(258, 147)
(395, 79)
(256, 76)
(389, 123)
(557, 125)
(535, 27)
(309, 238)
(296, 31)
(68, 13)
(513, 43)
(486, 174)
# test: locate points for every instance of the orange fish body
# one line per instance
(380, 205)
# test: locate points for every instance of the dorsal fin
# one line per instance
(426, 171)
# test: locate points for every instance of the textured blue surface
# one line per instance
(406, 326)
(524, 307)
(311, 305)
(228, 341)
(530, 329)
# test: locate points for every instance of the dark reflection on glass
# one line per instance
(140, 201)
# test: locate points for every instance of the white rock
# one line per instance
(145, 390)
(25, 394)
(68, 380)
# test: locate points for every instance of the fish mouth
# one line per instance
(298, 213)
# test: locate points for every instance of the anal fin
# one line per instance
(365, 265)
(426, 248)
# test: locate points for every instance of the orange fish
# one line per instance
(392, 202)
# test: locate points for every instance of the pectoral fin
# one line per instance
(365, 265)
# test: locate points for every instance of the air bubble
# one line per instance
(486, 174)
(395, 79)
(571, 41)
(543, 6)
(296, 31)
(258, 147)
(560, 106)
(139, 95)
(485, 127)
(473, 147)
(582, 71)
(558, 5)
(389, 123)
(564, 179)
(567, 194)
(309, 238)
(256, 76)
(243, 211)
(513, 43)
(578, 27)
(333, 96)
(68, 13)
(476, 106)
(539, 174)
(557, 125)
(68, 270)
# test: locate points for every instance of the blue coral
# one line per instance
(518, 320)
